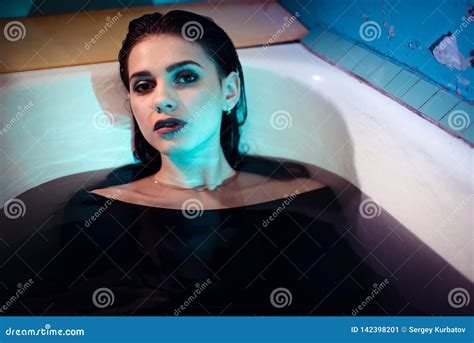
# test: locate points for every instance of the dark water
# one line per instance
(79, 253)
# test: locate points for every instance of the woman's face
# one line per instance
(178, 77)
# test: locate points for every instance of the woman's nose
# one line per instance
(164, 101)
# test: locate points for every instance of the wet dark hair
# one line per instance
(219, 48)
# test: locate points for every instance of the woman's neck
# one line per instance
(207, 169)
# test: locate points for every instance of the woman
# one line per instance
(187, 95)
(197, 228)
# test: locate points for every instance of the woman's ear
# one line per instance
(230, 91)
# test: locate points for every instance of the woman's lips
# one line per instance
(168, 125)
(169, 129)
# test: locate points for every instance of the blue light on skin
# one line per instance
(178, 76)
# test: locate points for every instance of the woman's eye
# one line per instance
(142, 87)
(186, 78)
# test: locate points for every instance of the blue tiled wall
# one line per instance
(417, 25)
(412, 76)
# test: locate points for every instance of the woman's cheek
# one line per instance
(140, 116)
(203, 104)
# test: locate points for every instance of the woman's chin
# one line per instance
(171, 147)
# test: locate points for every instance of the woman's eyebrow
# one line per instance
(177, 65)
(140, 74)
(169, 69)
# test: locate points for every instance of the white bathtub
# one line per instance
(54, 123)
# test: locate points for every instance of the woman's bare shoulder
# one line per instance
(136, 192)
(113, 192)
(279, 176)
(124, 190)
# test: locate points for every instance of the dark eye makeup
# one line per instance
(143, 86)
(186, 77)
(180, 78)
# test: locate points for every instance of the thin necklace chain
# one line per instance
(196, 188)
